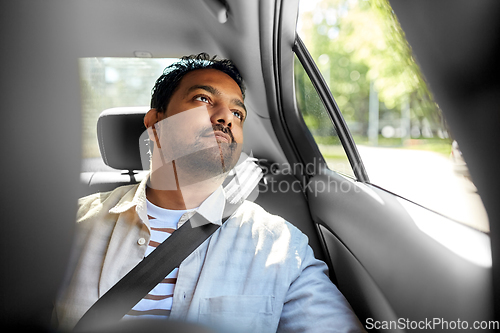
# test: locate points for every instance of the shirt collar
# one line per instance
(210, 210)
(136, 196)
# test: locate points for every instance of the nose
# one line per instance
(222, 115)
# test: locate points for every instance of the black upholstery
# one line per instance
(118, 132)
(123, 142)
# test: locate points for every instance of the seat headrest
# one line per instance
(118, 132)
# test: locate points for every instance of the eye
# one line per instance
(202, 98)
(238, 114)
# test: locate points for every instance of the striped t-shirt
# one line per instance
(158, 303)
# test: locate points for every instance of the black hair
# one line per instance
(168, 82)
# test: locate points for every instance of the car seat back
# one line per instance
(119, 132)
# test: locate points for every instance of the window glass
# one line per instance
(318, 122)
(398, 128)
(112, 82)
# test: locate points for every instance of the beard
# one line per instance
(206, 163)
(200, 159)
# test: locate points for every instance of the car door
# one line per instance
(400, 265)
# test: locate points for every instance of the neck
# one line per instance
(165, 191)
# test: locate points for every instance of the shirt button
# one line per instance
(141, 241)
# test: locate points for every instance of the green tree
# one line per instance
(356, 42)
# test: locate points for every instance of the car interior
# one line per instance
(390, 257)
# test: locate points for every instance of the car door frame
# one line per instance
(351, 237)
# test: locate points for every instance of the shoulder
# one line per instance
(253, 216)
(102, 202)
(269, 238)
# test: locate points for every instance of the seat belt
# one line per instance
(137, 283)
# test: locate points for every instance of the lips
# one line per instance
(221, 133)
(221, 136)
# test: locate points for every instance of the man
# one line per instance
(255, 274)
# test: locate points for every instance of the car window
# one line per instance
(318, 122)
(112, 82)
(398, 128)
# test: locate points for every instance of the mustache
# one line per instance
(218, 127)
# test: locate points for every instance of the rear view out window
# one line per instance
(112, 82)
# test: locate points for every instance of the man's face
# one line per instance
(202, 127)
(218, 92)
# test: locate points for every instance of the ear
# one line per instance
(150, 118)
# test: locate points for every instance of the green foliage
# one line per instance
(355, 42)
